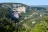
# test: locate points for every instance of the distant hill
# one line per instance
(29, 8)
(38, 5)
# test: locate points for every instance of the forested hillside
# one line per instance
(34, 20)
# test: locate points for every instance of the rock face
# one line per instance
(20, 9)
(13, 15)
(15, 6)
(16, 15)
(14, 9)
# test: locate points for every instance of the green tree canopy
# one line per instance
(42, 26)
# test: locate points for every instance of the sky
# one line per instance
(27, 2)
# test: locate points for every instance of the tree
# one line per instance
(3, 12)
(42, 26)
(7, 25)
